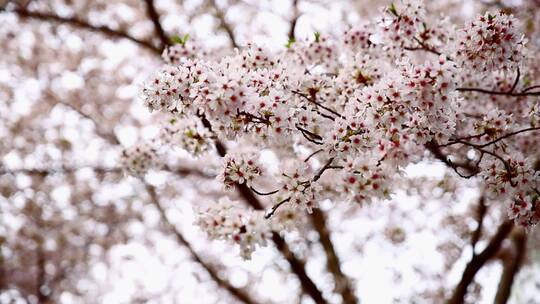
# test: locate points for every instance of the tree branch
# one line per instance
(342, 282)
(435, 149)
(480, 215)
(41, 277)
(512, 266)
(238, 293)
(294, 20)
(154, 17)
(491, 92)
(478, 261)
(224, 24)
(78, 23)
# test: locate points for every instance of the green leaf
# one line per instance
(290, 43)
(317, 36)
(185, 39)
(180, 40)
(176, 39)
(392, 9)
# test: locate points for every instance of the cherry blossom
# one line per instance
(364, 105)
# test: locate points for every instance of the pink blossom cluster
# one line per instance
(140, 158)
(225, 220)
(491, 42)
(187, 134)
(238, 169)
(345, 115)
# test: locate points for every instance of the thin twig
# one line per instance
(263, 193)
(518, 74)
(275, 208)
(326, 166)
(313, 154)
(491, 92)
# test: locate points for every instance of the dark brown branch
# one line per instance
(43, 295)
(294, 20)
(263, 193)
(313, 154)
(508, 135)
(423, 47)
(298, 268)
(275, 208)
(312, 100)
(44, 171)
(511, 266)
(59, 170)
(480, 215)
(158, 28)
(310, 136)
(238, 293)
(462, 139)
(531, 88)
(78, 23)
(342, 283)
(478, 261)
(518, 75)
(435, 149)
(327, 165)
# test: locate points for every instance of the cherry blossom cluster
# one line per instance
(239, 168)
(140, 158)
(185, 48)
(345, 115)
(515, 180)
(491, 42)
(403, 22)
(225, 220)
(298, 189)
(187, 134)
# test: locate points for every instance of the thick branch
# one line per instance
(511, 267)
(75, 22)
(342, 282)
(478, 261)
(298, 268)
(238, 293)
(480, 215)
